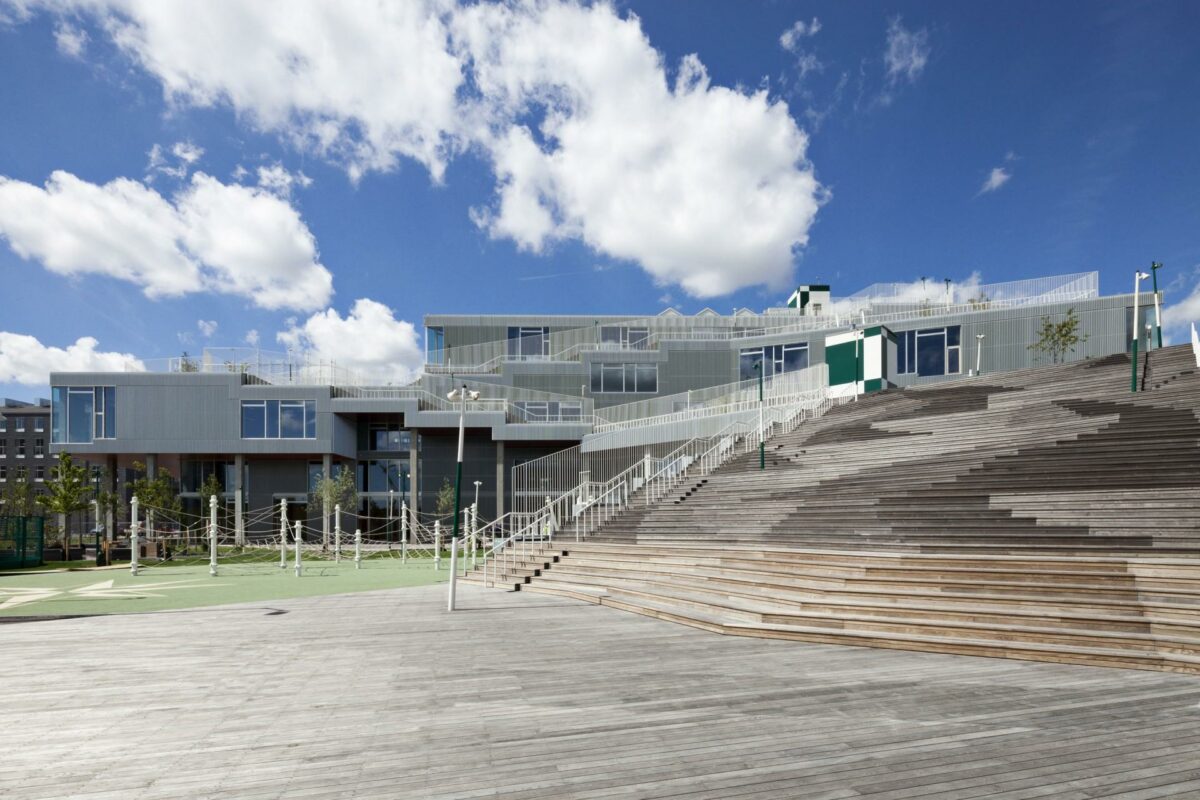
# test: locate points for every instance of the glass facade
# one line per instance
(625, 338)
(528, 343)
(777, 358)
(279, 419)
(624, 378)
(435, 345)
(929, 352)
(387, 437)
(82, 414)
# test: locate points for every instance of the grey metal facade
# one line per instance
(171, 418)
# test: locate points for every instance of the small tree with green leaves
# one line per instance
(445, 499)
(68, 491)
(156, 494)
(1057, 339)
(328, 492)
(19, 496)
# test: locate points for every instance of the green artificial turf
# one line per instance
(113, 590)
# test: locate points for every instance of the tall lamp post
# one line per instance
(1138, 277)
(461, 395)
(762, 442)
(979, 351)
(1154, 268)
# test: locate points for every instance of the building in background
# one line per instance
(24, 444)
(267, 426)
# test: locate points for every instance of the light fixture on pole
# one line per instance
(1138, 277)
(1154, 268)
(762, 441)
(979, 337)
(477, 485)
(461, 396)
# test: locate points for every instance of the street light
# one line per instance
(477, 485)
(978, 350)
(1138, 277)
(461, 395)
(1154, 268)
(762, 442)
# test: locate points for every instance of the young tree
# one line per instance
(68, 490)
(328, 492)
(20, 499)
(156, 495)
(445, 499)
(1057, 339)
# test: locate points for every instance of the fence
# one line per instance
(21, 541)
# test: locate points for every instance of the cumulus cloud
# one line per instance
(907, 52)
(70, 40)
(187, 152)
(184, 154)
(210, 236)
(588, 135)
(369, 340)
(703, 186)
(207, 327)
(252, 338)
(995, 179)
(25, 360)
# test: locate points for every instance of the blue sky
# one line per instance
(324, 180)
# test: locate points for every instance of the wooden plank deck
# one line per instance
(383, 694)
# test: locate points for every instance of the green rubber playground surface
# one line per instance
(163, 587)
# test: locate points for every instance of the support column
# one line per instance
(151, 465)
(413, 476)
(499, 480)
(110, 522)
(239, 498)
(327, 470)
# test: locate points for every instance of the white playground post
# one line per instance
(212, 536)
(239, 524)
(403, 531)
(453, 572)
(337, 533)
(133, 538)
(437, 544)
(474, 530)
(357, 549)
(299, 569)
(283, 533)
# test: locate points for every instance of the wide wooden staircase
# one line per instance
(1047, 514)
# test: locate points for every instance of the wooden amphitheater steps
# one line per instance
(1138, 613)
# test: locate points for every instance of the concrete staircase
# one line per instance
(1047, 514)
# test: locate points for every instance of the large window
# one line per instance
(20, 424)
(3, 424)
(435, 345)
(622, 337)
(39, 423)
(928, 352)
(777, 359)
(80, 414)
(624, 378)
(388, 437)
(279, 419)
(547, 411)
(528, 342)
(381, 475)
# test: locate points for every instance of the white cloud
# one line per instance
(252, 338)
(995, 179)
(210, 236)
(703, 186)
(187, 152)
(277, 180)
(589, 138)
(23, 359)
(207, 327)
(907, 52)
(369, 340)
(790, 39)
(70, 40)
(1178, 317)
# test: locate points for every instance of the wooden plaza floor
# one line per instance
(384, 695)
